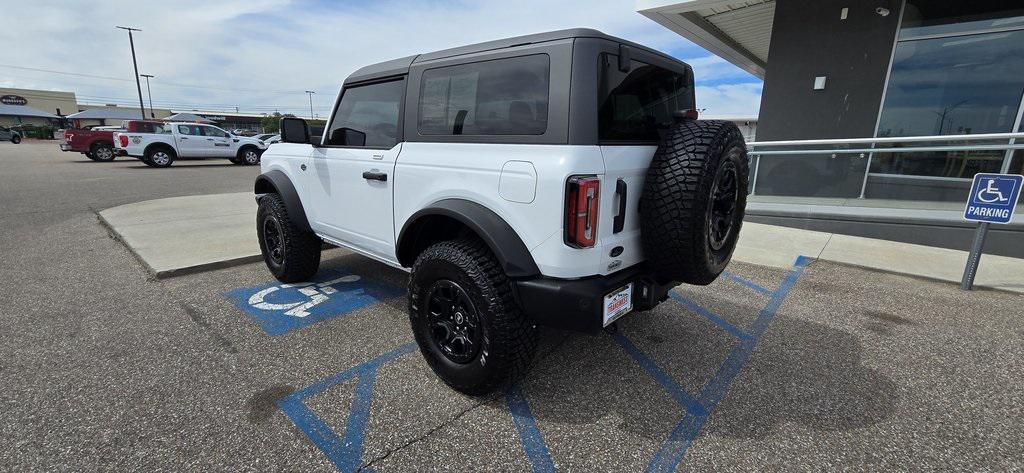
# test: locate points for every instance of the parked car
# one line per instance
(7, 134)
(243, 132)
(558, 179)
(269, 138)
(171, 141)
(97, 142)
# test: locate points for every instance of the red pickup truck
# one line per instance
(97, 143)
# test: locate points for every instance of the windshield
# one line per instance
(634, 105)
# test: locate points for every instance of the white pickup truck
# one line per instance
(161, 144)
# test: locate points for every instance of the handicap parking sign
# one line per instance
(279, 308)
(993, 197)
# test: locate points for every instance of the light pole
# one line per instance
(138, 84)
(310, 92)
(149, 94)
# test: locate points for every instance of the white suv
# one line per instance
(558, 179)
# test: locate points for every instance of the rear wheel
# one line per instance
(16, 139)
(159, 157)
(291, 254)
(465, 320)
(694, 199)
(102, 152)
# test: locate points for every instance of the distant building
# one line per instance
(34, 107)
(845, 69)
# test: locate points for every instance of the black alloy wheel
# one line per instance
(722, 210)
(454, 322)
(273, 238)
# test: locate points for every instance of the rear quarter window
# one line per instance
(496, 97)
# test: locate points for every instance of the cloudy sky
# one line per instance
(260, 55)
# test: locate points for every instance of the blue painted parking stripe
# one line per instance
(707, 314)
(674, 449)
(347, 453)
(349, 373)
(746, 282)
(677, 392)
(529, 435)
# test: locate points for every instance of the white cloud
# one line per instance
(266, 52)
(729, 100)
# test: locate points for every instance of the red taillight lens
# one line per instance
(582, 199)
(124, 140)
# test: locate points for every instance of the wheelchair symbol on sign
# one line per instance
(317, 294)
(991, 194)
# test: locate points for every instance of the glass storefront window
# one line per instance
(931, 17)
(967, 84)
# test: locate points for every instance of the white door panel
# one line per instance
(350, 207)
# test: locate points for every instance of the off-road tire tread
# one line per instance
(514, 337)
(676, 195)
(302, 249)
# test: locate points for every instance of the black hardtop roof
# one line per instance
(401, 65)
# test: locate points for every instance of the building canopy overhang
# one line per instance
(24, 111)
(738, 31)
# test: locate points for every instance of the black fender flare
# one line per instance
(277, 182)
(500, 237)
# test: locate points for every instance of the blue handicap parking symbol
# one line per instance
(993, 197)
(279, 308)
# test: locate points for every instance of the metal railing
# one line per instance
(869, 146)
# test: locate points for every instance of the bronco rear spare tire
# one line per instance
(693, 200)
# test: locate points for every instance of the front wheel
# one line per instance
(465, 320)
(249, 156)
(291, 254)
(16, 139)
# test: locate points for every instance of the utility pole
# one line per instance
(135, 63)
(310, 92)
(149, 94)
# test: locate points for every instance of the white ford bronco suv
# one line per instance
(558, 180)
(160, 144)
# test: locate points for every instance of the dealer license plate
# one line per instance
(617, 303)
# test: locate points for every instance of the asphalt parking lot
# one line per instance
(816, 367)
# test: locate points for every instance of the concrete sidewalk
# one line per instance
(187, 234)
(181, 235)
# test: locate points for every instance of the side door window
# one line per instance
(218, 141)
(368, 116)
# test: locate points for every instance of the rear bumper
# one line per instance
(578, 304)
(67, 147)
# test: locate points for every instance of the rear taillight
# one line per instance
(68, 136)
(582, 198)
(123, 139)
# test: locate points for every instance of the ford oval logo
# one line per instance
(13, 100)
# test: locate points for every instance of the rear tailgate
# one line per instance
(619, 224)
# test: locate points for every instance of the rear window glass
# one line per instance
(149, 127)
(634, 105)
(497, 97)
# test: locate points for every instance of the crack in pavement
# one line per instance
(490, 398)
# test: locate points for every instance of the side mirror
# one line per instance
(348, 137)
(294, 130)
